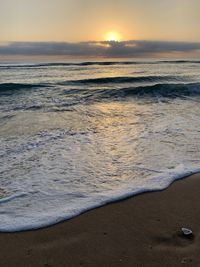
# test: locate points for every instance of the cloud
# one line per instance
(99, 49)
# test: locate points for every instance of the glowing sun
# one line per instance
(112, 36)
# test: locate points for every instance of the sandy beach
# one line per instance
(140, 231)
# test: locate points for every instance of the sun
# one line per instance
(112, 36)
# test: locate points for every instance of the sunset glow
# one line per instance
(94, 28)
(112, 36)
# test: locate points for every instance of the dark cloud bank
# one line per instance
(101, 49)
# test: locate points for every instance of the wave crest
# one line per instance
(123, 79)
(165, 90)
(152, 91)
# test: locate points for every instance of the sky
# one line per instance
(28, 26)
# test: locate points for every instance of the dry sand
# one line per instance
(141, 231)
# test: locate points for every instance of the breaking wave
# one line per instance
(165, 90)
(170, 90)
(158, 90)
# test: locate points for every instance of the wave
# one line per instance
(73, 96)
(88, 63)
(9, 88)
(68, 97)
(179, 61)
(98, 63)
(152, 91)
(165, 90)
(124, 79)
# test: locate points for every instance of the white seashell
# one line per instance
(186, 231)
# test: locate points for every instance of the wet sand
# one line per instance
(140, 231)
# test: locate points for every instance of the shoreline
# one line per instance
(115, 199)
(143, 230)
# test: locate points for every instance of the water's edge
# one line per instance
(115, 199)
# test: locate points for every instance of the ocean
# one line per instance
(77, 135)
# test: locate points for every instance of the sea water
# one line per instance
(77, 135)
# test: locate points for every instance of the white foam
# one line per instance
(13, 220)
